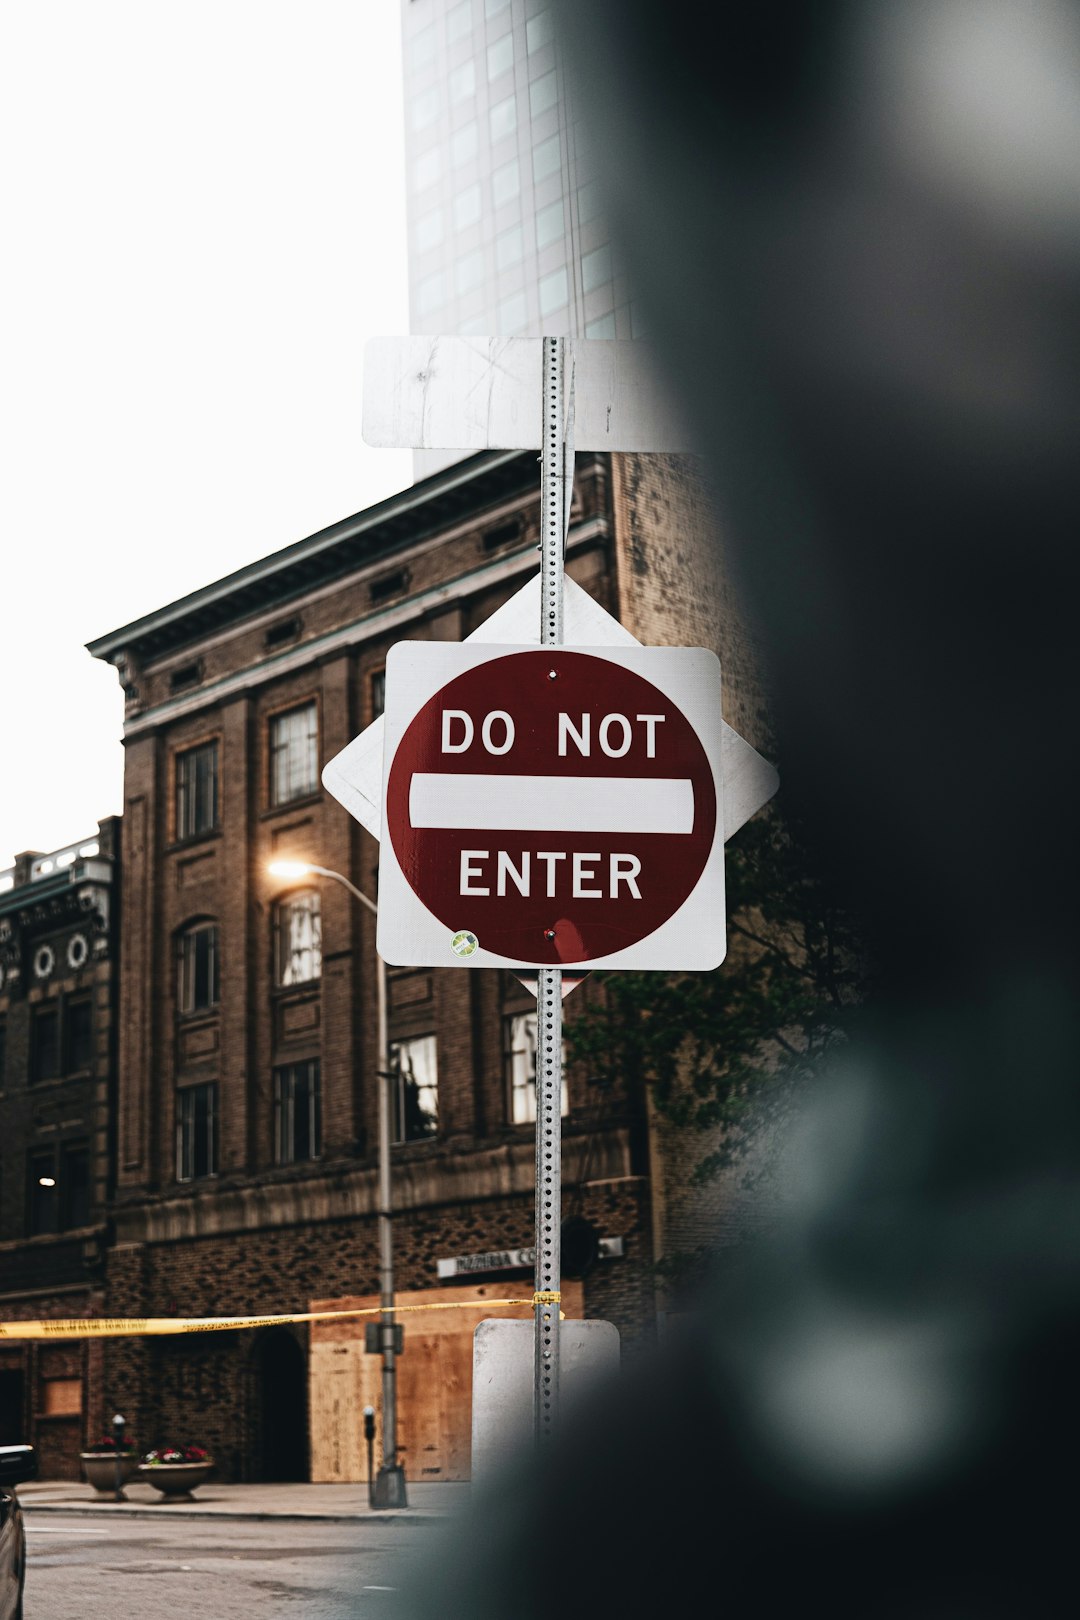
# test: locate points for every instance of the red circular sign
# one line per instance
(552, 803)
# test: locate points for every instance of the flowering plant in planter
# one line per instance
(162, 1455)
(176, 1471)
(107, 1442)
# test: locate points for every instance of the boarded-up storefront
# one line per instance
(434, 1381)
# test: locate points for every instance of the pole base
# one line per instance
(389, 1491)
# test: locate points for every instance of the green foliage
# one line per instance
(726, 1049)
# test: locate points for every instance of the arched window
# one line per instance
(198, 968)
(298, 941)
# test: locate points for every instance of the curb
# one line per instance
(120, 1510)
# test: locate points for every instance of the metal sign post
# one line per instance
(458, 393)
(556, 480)
(389, 1490)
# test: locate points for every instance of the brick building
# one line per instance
(58, 991)
(246, 1120)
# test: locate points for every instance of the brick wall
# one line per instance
(201, 1389)
(675, 589)
(674, 586)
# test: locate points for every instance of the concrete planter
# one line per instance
(176, 1480)
(100, 1470)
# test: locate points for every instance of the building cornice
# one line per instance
(424, 1182)
(368, 628)
(378, 531)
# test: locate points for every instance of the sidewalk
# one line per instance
(427, 1502)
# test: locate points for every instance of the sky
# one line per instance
(203, 220)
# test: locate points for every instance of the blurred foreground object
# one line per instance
(856, 233)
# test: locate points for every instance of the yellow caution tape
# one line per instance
(547, 1296)
(120, 1327)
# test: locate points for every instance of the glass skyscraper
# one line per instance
(506, 233)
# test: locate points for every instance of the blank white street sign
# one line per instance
(502, 1413)
(476, 393)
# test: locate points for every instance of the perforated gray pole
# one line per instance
(390, 1481)
(557, 471)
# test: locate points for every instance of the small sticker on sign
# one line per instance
(464, 943)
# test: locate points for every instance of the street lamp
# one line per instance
(389, 1488)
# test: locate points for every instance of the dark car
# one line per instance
(17, 1463)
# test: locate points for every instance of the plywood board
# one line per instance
(434, 1380)
(335, 1404)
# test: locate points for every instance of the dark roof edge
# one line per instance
(459, 472)
(32, 894)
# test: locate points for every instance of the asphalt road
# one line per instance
(228, 1570)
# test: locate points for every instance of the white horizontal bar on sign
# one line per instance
(484, 393)
(600, 804)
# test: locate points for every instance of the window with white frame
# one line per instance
(414, 1065)
(298, 946)
(297, 1112)
(294, 754)
(198, 968)
(521, 1069)
(197, 1132)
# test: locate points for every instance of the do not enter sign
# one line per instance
(552, 807)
